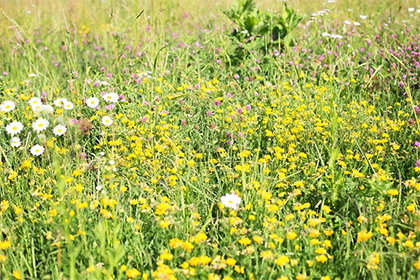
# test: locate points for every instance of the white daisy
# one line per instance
(59, 130)
(41, 108)
(14, 128)
(40, 125)
(60, 102)
(47, 109)
(42, 138)
(15, 142)
(7, 106)
(92, 102)
(37, 150)
(34, 101)
(37, 108)
(68, 105)
(231, 201)
(107, 121)
(110, 97)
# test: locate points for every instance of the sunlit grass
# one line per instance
(132, 147)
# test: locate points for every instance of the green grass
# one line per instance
(318, 140)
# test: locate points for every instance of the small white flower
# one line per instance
(40, 125)
(7, 106)
(99, 187)
(363, 17)
(37, 150)
(101, 154)
(37, 108)
(15, 142)
(356, 23)
(102, 83)
(32, 74)
(411, 10)
(59, 130)
(14, 128)
(347, 22)
(107, 121)
(41, 108)
(110, 97)
(48, 109)
(34, 101)
(68, 105)
(42, 138)
(147, 73)
(92, 102)
(231, 201)
(111, 162)
(60, 102)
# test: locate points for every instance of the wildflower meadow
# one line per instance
(217, 140)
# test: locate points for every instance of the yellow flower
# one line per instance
(266, 255)
(282, 260)
(291, 235)
(175, 243)
(245, 241)
(230, 261)
(187, 246)
(240, 269)
(82, 205)
(166, 255)
(258, 239)
(363, 236)
(373, 261)
(16, 274)
(132, 273)
(4, 205)
(362, 219)
(417, 264)
(326, 209)
(162, 208)
(164, 224)
(301, 276)
(391, 240)
(212, 276)
(408, 244)
(411, 208)
(200, 237)
(392, 192)
(321, 258)
(5, 244)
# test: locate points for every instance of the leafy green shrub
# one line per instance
(260, 31)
